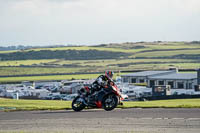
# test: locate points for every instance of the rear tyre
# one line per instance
(109, 102)
(77, 104)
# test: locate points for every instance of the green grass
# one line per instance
(59, 105)
(114, 62)
(37, 70)
(25, 62)
(91, 65)
(9, 51)
(167, 53)
(35, 104)
(172, 46)
(53, 77)
(165, 66)
(177, 103)
(87, 62)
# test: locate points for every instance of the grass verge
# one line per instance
(10, 104)
(51, 77)
(175, 103)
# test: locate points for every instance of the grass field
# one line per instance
(167, 53)
(59, 105)
(52, 77)
(126, 47)
(89, 62)
(37, 70)
(25, 62)
(35, 104)
(178, 103)
(66, 66)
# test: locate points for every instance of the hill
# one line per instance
(87, 59)
(62, 54)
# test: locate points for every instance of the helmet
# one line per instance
(109, 74)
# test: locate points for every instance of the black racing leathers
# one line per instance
(101, 82)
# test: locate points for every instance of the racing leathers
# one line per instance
(101, 82)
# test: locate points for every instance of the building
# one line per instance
(142, 77)
(173, 78)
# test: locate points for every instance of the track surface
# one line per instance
(156, 120)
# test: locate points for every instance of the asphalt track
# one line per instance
(135, 120)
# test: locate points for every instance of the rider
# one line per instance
(103, 81)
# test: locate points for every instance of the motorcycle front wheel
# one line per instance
(109, 102)
(77, 104)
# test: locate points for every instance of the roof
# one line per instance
(176, 76)
(146, 73)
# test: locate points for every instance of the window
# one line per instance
(159, 89)
(131, 91)
(141, 80)
(125, 80)
(133, 80)
(180, 85)
(171, 83)
(190, 86)
(161, 82)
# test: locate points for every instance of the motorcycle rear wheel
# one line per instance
(109, 102)
(77, 104)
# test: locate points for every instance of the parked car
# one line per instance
(52, 97)
(49, 97)
(39, 87)
(70, 97)
(56, 97)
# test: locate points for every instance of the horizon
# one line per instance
(77, 45)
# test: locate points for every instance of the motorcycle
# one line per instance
(107, 98)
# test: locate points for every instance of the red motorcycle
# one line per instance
(107, 98)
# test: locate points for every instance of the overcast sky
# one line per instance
(89, 22)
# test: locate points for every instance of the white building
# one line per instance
(173, 78)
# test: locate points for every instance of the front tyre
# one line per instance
(109, 102)
(78, 104)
